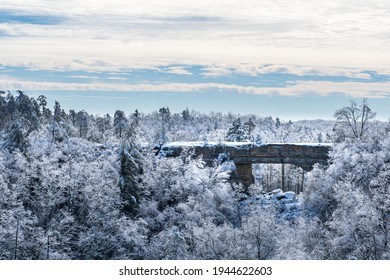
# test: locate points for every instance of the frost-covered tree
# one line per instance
(82, 123)
(236, 132)
(120, 123)
(72, 117)
(16, 138)
(96, 196)
(28, 112)
(350, 198)
(136, 116)
(353, 122)
(131, 169)
(42, 102)
(319, 194)
(57, 112)
(248, 128)
(165, 116)
(186, 114)
(277, 123)
(259, 232)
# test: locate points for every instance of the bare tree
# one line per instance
(353, 121)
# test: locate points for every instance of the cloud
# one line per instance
(217, 71)
(304, 71)
(178, 70)
(256, 70)
(352, 89)
(117, 78)
(340, 33)
(82, 77)
(300, 88)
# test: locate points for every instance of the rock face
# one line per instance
(244, 155)
(243, 174)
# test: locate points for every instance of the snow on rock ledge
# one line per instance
(304, 155)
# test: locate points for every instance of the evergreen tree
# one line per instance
(120, 123)
(2, 99)
(16, 138)
(82, 123)
(186, 115)
(165, 116)
(236, 132)
(107, 122)
(57, 112)
(277, 122)
(248, 128)
(42, 102)
(136, 117)
(130, 174)
(72, 116)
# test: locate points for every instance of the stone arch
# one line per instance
(245, 154)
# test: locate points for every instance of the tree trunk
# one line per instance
(16, 238)
(283, 179)
(48, 246)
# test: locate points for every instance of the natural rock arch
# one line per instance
(245, 154)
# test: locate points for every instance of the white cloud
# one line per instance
(255, 70)
(82, 77)
(216, 71)
(95, 55)
(178, 70)
(301, 88)
(117, 78)
(340, 33)
(352, 89)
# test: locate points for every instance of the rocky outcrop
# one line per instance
(244, 155)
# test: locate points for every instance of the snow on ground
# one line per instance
(287, 204)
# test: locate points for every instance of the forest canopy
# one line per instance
(80, 186)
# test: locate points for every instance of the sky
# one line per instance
(293, 59)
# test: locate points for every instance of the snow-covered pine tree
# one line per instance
(120, 123)
(236, 132)
(57, 112)
(248, 128)
(277, 123)
(16, 137)
(130, 170)
(82, 123)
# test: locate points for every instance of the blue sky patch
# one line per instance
(231, 92)
(162, 75)
(15, 17)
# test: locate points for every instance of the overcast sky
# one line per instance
(293, 59)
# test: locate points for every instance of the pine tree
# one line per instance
(16, 138)
(72, 116)
(165, 116)
(186, 115)
(120, 123)
(277, 123)
(42, 102)
(248, 128)
(136, 117)
(236, 132)
(57, 112)
(82, 123)
(130, 174)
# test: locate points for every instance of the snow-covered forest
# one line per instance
(80, 186)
